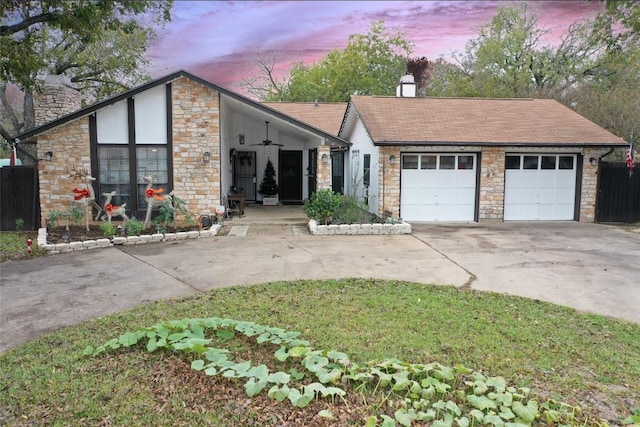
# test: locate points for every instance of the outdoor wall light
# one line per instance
(593, 161)
(206, 157)
(241, 138)
(325, 158)
(48, 156)
(392, 159)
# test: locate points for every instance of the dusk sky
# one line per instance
(219, 41)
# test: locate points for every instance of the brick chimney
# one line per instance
(58, 98)
(407, 87)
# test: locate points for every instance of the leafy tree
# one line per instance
(595, 69)
(422, 70)
(608, 93)
(99, 45)
(370, 64)
(505, 60)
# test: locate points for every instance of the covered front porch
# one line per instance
(305, 158)
(257, 214)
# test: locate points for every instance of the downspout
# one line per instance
(607, 153)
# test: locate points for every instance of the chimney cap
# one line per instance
(407, 78)
(58, 80)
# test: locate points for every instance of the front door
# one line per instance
(244, 173)
(290, 176)
(312, 170)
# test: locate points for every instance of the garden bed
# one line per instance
(358, 229)
(77, 238)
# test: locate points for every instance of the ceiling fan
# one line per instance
(267, 142)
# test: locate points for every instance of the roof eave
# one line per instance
(163, 80)
(501, 144)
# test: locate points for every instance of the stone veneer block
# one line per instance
(145, 238)
(63, 247)
(170, 236)
(132, 240)
(376, 228)
(193, 234)
(343, 229)
(182, 235)
(404, 228)
(47, 247)
(332, 229)
(42, 236)
(157, 237)
(76, 246)
(353, 229)
(119, 240)
(90, 244)
(387, 228)
(103, 243)
(365, 229)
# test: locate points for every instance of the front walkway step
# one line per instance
(264, 230)
(239, 230)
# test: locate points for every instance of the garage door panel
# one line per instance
(544, 193)
(446, 193)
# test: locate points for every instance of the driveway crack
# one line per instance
(472, 276)
(188, 285)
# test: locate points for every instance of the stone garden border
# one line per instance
(56, 248)
(359, 229)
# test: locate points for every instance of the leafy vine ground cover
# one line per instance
(407, 392)
(584, 360)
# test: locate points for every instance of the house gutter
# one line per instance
(607, 153)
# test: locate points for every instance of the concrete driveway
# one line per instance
(586, 266)
(590, 267)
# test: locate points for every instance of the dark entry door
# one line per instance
(290, 176)
(244, 173)
(312, 170)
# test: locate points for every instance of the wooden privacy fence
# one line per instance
(618, 193)
(19, 197)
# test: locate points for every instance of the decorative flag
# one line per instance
(630, 158)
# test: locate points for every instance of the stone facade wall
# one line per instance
(196, 129)
(491, 206)
(58, 98)
(323, 177)
(389, 176)
(589, 186)
(70, 147)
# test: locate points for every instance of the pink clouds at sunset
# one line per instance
(219, 41)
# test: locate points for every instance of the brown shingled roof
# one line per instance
(326, 117)
(477, 120)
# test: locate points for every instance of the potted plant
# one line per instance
(269, 186)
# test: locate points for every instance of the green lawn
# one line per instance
(582, 359)
(13, 245)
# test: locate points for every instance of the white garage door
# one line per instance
(438, 187)
(540, 187)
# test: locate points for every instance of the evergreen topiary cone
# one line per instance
(269, 186)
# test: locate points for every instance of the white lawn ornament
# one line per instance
(113, 210)
(153, 198)
(84, 196)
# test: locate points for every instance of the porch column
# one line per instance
(389, 177)
(589, 186)
(323, 176)
(492, 184)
